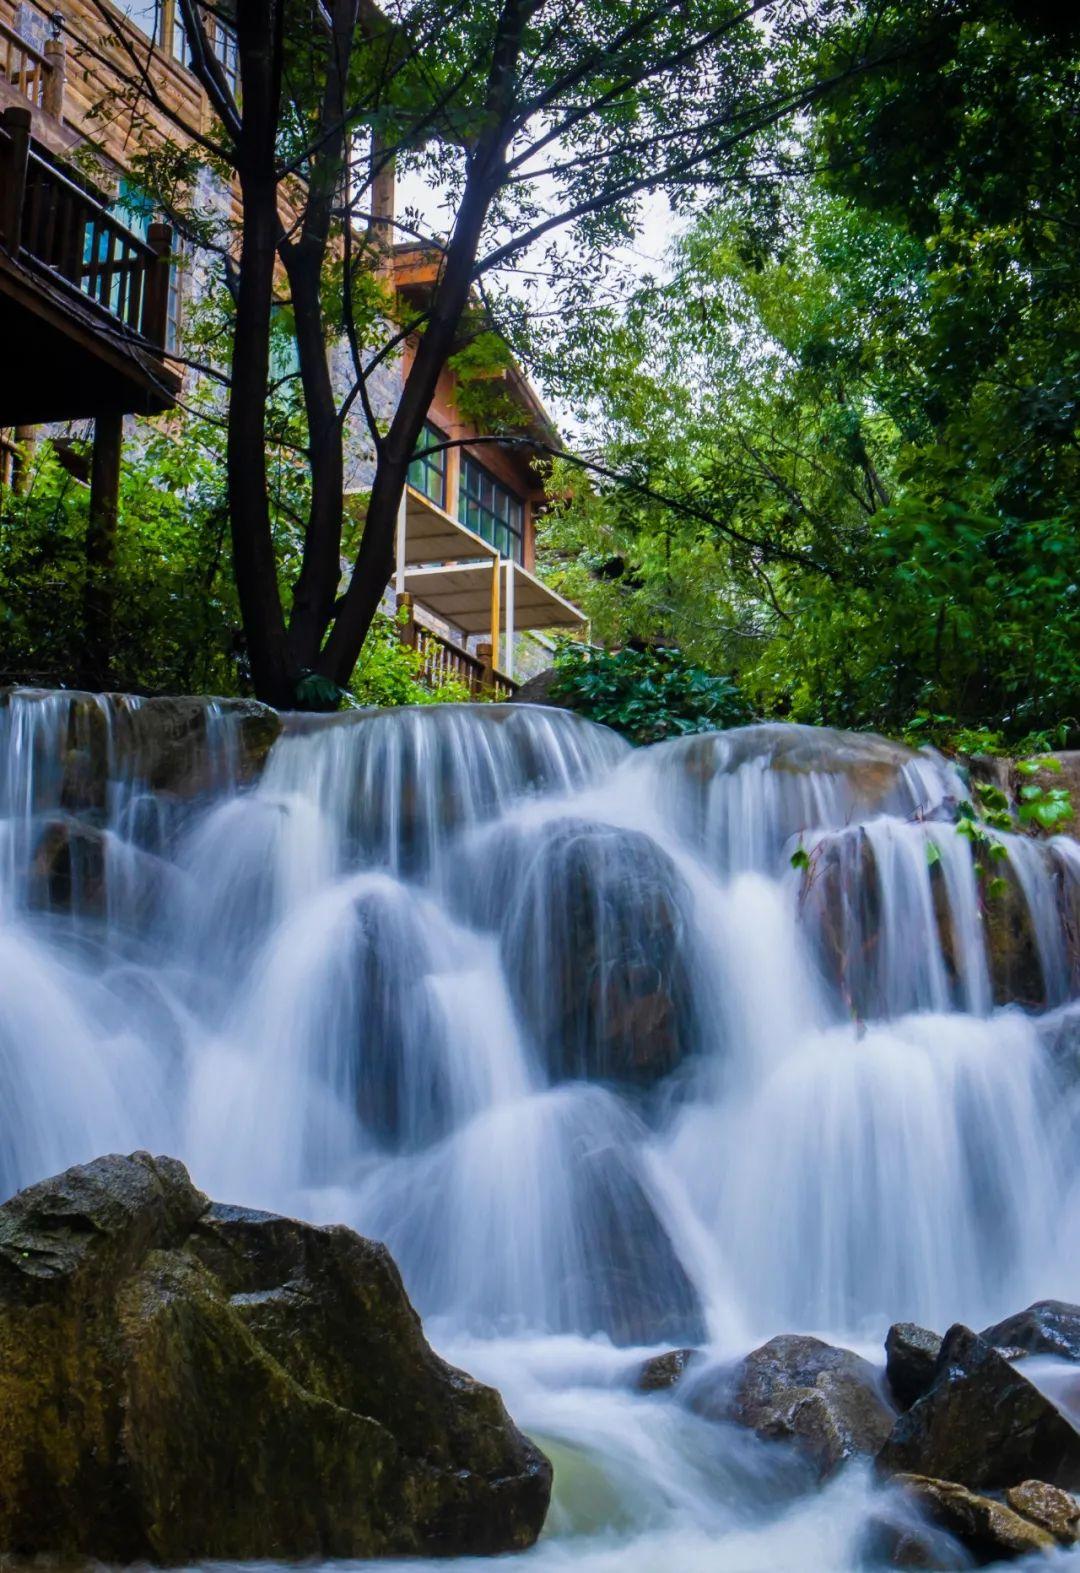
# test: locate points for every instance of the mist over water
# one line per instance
(561, 1023)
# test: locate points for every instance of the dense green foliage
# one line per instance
(647, 695)
(175, 625)
(850, 414)
(834, 445)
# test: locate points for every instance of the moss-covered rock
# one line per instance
(990, 1530)
(182, 1381)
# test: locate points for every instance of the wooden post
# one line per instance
(155, 307)
(407, 626)
(383, 194)
(453, 483)
(26, 440)
(52, 98)
(496, 565)
(487, 676)
(14, 157)
(99, 593)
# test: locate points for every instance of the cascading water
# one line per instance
(562, 1024)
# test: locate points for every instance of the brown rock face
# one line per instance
(988, 1529)
(1012, 947)
(178, 746)
(982, 1424)
(181, 1381)
(825, 1401)
(1049, 1507)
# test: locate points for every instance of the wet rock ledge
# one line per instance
(181, 1380)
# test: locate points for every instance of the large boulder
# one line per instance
(1049, 1327)
(181, 1381)
(990, 1530)
(826, 1401)
(982, 1424)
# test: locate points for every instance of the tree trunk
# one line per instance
(274, 671)
(316, 586)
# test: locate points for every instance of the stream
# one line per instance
(561, 1023)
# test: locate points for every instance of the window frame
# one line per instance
(431, 464)
(480, 493)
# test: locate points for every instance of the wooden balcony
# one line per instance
(83, 300)
(446, 662)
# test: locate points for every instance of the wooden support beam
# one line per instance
(52, 97)
(496, 565)
(14, 157)
(155, 311)
(407, 624)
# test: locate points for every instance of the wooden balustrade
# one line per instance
(446, 662)
(25, 68)
(54, 223)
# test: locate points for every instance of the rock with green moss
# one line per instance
(183, 1381)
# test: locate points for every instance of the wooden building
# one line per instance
(81, 282)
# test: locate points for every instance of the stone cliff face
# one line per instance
(181, 1380)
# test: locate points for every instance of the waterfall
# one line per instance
(565, 1024)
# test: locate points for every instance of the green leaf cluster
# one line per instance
(647, 695)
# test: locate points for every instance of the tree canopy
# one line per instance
(851, 410)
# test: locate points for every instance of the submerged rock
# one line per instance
(826, 1401)
(663, 1372)
(1049, 1327)
(990, 1530)
(982, 1424)
(1012, 942)
(596, 944)
(910, 1360)
(181, 1381)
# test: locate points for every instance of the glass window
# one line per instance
(223, 44)
(428, 474)
(492, 511)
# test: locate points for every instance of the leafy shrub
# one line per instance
(391, 673)
(646, 695)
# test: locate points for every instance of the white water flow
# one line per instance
(562, 1024)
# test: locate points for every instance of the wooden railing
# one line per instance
(57, 225)
(27, 70)
(446, 662)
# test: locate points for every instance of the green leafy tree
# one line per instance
(545, 124)
(860, 401)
